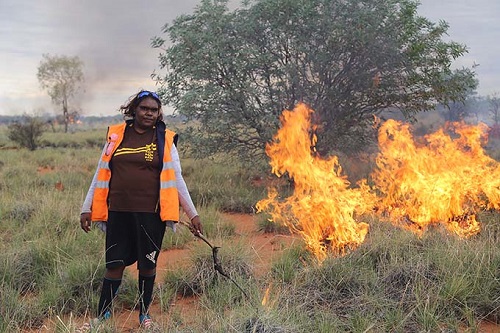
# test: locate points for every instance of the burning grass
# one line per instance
(442, 178)
(446, 177)
(323, 205)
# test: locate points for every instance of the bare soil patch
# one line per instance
(265, 248)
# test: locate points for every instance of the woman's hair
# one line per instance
(128, 109)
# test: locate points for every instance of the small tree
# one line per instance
(27, 132)
(460, 110)
(62, 77)
(494, 103)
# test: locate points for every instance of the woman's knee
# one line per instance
(147, 272)
(115, 272)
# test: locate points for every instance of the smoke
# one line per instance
(112, 38)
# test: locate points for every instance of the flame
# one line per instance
(444, 179)
(266, 296)
(322, 206)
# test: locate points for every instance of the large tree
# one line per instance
(62, 77)
(236, 71)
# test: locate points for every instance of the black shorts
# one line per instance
(132, 237)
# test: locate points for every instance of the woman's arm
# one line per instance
(184, 196)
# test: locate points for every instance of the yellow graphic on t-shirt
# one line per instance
(148, 151)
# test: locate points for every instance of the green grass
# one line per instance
(80, 139)
(394, 282)
(227, 186)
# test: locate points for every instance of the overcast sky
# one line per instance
(112, 37)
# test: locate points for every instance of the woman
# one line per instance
(137, 190)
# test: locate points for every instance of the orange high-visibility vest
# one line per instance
(169, 197)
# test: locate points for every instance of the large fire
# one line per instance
(444, 179)
(322, 207)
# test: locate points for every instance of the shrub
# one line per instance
(27, 132)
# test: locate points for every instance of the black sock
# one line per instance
(108, 292)
(146, 284)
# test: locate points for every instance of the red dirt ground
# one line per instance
(266, 247)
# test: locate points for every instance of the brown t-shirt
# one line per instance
(135, 173)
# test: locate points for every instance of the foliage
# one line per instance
(61, 76)
(47, 265)
(293, 261)
(213, 226)
(81, 139)
(27, 132)
(407, 284)
(236, 71)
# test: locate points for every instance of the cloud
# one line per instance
(113, 39)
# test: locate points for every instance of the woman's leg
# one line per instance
(150, 237)
(110, 284)
(120, 239)
(146, 286)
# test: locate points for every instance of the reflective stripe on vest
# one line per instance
(100, 183)
(169, 197)
(167, 183)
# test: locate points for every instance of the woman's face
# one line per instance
(146, 113)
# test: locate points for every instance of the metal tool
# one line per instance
(215, 251)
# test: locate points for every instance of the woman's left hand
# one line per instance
(196, 227)
(85, 221)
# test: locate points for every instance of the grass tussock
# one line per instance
(407, 284)
(201, 277)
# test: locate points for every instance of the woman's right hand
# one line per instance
(85, 221)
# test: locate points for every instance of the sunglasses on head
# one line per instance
(148, 93)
